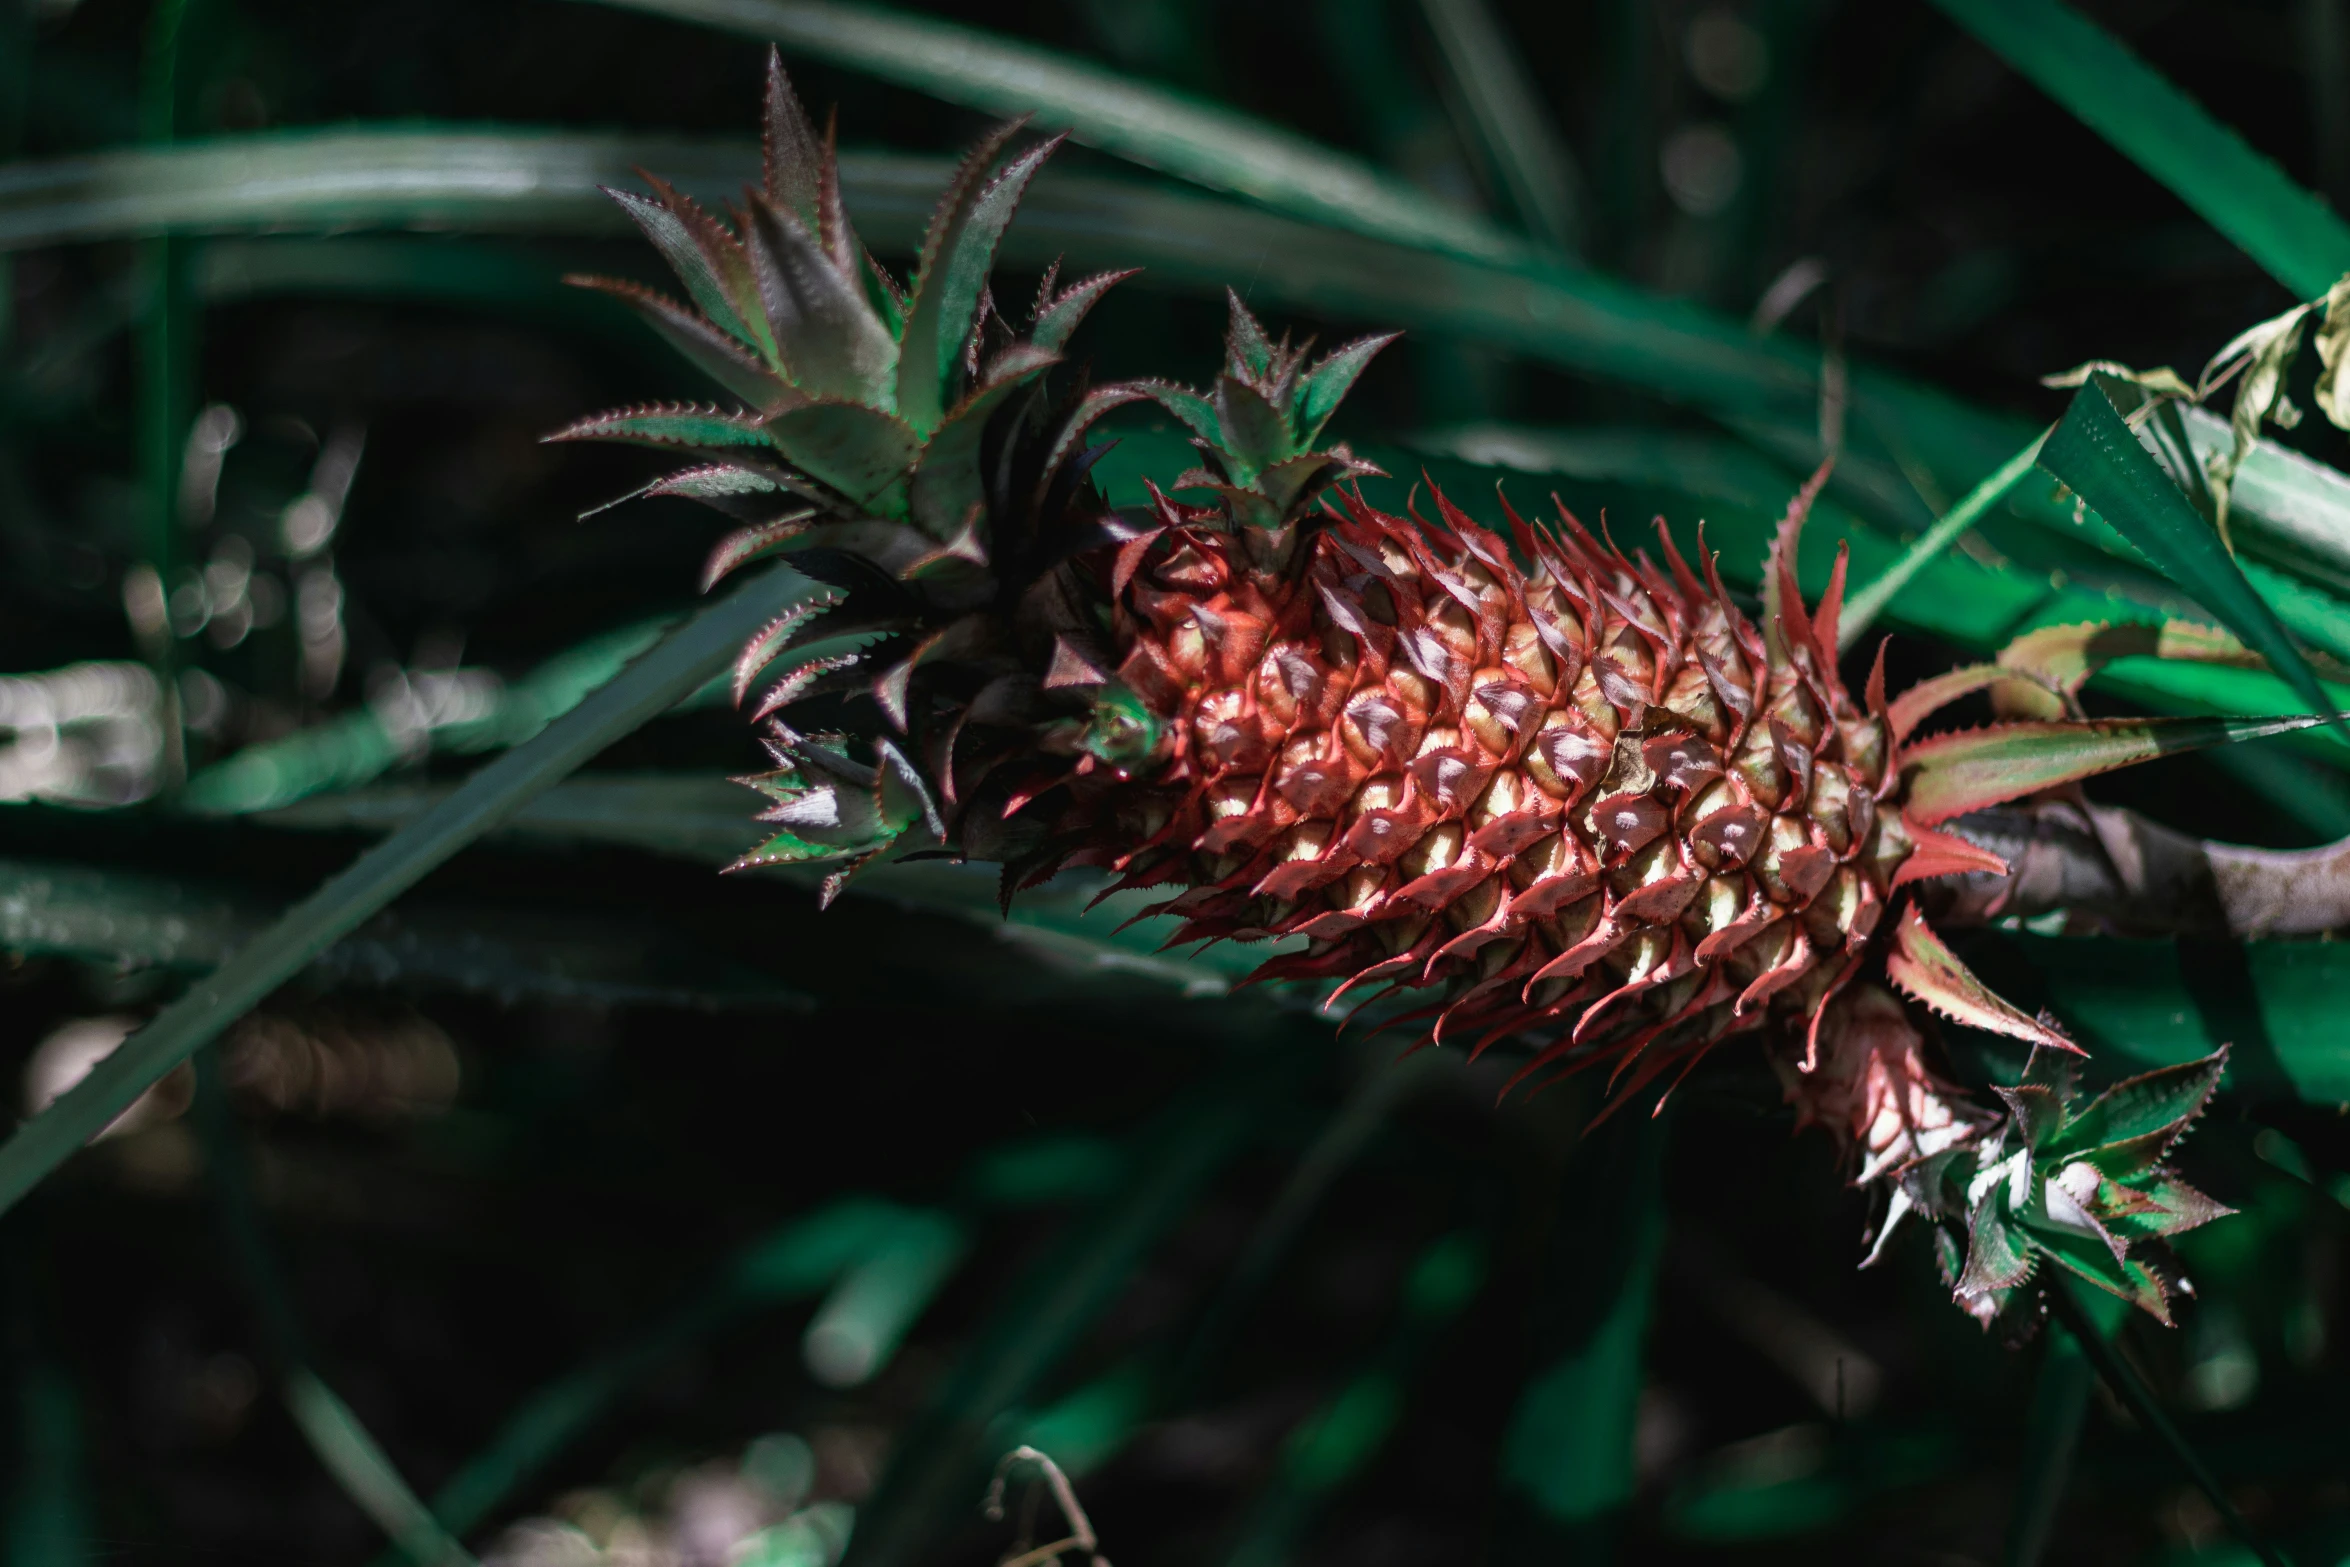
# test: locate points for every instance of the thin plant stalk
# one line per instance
(1351, 1128)
(1506, 113)
(670, 671)
(363, 1470)
(1866, 605)
(165, 361)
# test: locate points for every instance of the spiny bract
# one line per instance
(1564, 791)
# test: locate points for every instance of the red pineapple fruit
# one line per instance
(1565, 793)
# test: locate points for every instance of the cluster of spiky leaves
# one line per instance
(1564, 792)
(2067, 1179)
(900, 443)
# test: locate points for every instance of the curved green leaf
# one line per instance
(957, 255)
(1491, 79)
(676, 424)
(1206, 143)
(861, 452)
(1966, 771)
(1862, 610)
(2096, 454)
(2126, 1128)
(2295, 236)
(548, 183)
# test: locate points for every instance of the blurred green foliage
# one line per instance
(283, 322)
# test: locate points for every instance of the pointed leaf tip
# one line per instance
(1922, 965)
(1951, 774)
(2130, 1126)
(667, 424)
(794, 160)
(957, 254)
(2096, 454)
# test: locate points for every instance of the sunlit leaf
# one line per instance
(2152, 1108)
(2095, 454)
(2295, 236)
(1972, 768)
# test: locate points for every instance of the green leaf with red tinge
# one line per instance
(2170, 1206)
(667, 424)
(1929, 696)
(1196, 412)
(2063, 657)
(1057, 321)
(2137, 1120)
(1327, 384)
(711, 351)
(832, 344)
(1252, 434)
(949, 482)
(957, 255)
(862, 453)
(1952, 774)
(707, 259)
(2089, 1257)
(2097, 455)
(1922, 965)
(1999, 1257)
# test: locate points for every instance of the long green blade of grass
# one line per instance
(2096, 454)
(45, 1505)
(2294, 235)
(533, 181)
(347, 751)
(794, 1260)
(143, 920)
(1204, 142)
(1351, 1129)
(1579, 321)
(1870, 602)
(361, 1467)
(527, 181)
(1333, 1445)
(164, 387)
(940, 1464)
(676, 667)
(1491, 79)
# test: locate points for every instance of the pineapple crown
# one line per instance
(2075, 1181)
(1258, 424)
(874, 417)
